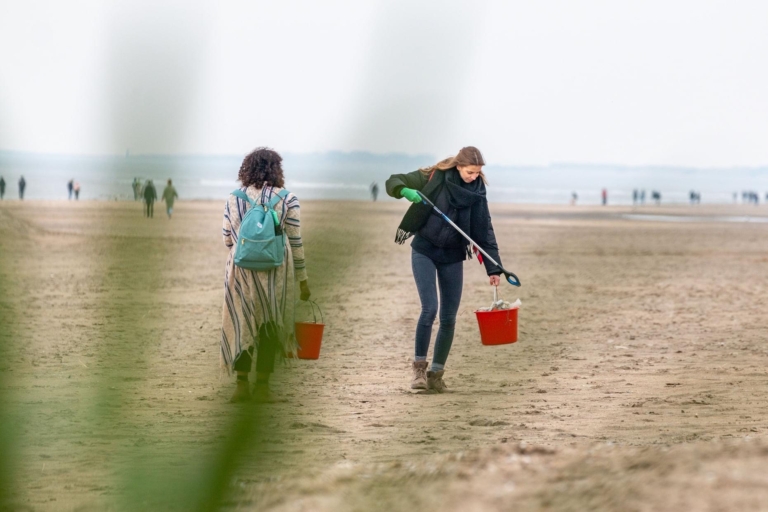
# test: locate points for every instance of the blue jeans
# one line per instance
(450, 278)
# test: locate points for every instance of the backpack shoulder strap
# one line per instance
(242, 195)
(277, 197)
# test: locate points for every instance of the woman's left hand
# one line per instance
(495, 280)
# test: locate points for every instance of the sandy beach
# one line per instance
(638, 383)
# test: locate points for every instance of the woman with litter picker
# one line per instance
(456, 186)
(257, 304)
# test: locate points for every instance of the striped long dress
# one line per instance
(254, 297)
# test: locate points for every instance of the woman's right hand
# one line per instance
(410, 195)
(304, 289)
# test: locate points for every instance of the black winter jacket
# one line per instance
(436, 238)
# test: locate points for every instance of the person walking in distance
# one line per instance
(150, 195)
(374, 191)
(70, 188)
(169, 196)
(136, 185)
(604, 196)
(457, 187)
(2, 187)
(76, 190)
(22, 186)
(257, 316)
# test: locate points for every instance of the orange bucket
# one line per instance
(497, 327)
(310, 335)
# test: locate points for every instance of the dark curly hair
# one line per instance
(262, 165)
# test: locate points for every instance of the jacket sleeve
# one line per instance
(415, 180)
(293, 230)
(229, 239)
(492, 248)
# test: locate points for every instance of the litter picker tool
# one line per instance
(511, 277)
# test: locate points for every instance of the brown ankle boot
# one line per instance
(241, 394)
(435, 381)
(419, 380)
(261, 393)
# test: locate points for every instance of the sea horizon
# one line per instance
(337, 175)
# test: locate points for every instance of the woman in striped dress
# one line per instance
(258, 305)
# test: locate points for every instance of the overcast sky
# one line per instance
(627, 82)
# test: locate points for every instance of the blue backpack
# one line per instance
(259, 247)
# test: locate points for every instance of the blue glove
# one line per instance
(410, 195)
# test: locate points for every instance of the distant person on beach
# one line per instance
(574, 198)
(695, 197)
(635, 196)
(70, 188)
(2, 187)
(642, 196)
(22, 186)
(374, 191)
(169, 196)
(136, 189)
(76, 189)
(150, 196)
(604, 196)
(656, 196)
(750, 196)
(456, 186)
(257, 318)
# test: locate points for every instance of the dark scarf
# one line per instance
(468, 199)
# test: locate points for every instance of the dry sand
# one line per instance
(638, 383)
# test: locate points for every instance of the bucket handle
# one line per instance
(313, 305)
(495, 299)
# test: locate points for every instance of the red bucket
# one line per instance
(497, 327)
(310, 335)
